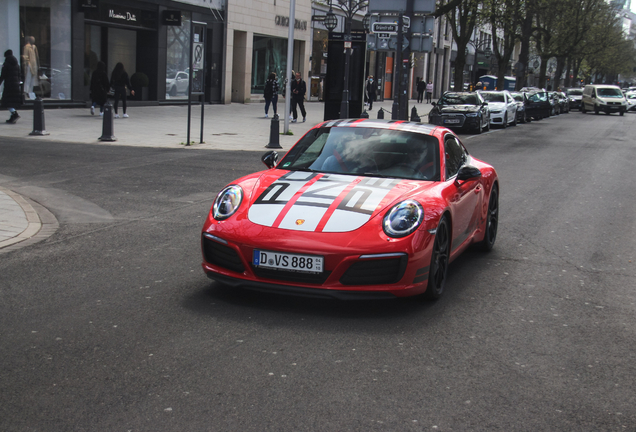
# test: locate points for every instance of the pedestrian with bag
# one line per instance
(120, 81)
(271, 93)
(298, 90)
(99, 88)
(371, 90)
(12, 94)
(429, 91)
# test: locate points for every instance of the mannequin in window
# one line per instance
(31, 62)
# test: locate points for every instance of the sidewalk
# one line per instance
(226, 127)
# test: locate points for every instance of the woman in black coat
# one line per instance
(99, 88)
(11, 95)
(119, 79)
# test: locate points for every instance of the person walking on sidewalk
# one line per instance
(271, 93)
(10, 76)
(371, 90)
(429, 91)
(99, 88)
(120, 81)
(421, 86)
(298, 90)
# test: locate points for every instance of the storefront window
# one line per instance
(270, 55)
(178, 57)
(45, 30)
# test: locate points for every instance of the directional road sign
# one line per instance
(382, 27)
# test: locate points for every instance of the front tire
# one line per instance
(439, 261)
(505, 121)
(492, 221)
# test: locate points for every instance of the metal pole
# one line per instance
(344, 104)
(290, 59)
(397, 97)
(190, 87)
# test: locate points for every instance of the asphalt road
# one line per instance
(111, 325)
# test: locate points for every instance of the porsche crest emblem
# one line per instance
(300, 221)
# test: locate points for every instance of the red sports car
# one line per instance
(356, 208)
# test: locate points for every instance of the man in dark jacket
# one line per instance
(11, 95)
(298, 90)
(371, 90)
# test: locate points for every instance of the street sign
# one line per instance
(384, 27)
(423, 24)
(384, 35)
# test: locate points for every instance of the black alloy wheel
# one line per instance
(492, 221)
(439, 261)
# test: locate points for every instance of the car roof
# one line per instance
(399, 125)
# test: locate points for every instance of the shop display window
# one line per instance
(178, 57)
(45, 31)
(270, 55)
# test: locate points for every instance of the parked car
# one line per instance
(521, 98)
(539, 106)
(631, 100)
(564, 102)
(462, 110)
(555, 105)
(575, 95)
(355, 209)
(603, 97)
(503, 108)
(177, 82)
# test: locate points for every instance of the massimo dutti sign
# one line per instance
(123, 15)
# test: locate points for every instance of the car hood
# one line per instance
(315, 202)
(459, 109)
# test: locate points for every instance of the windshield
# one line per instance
(459, 99)
(575, 92)
(609, 92)
(493, 97)
(369, 152)
(538, 97)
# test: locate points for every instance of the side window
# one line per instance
(455, 156)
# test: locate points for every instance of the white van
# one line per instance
(603, 97)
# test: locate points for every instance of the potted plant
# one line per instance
(139, 82)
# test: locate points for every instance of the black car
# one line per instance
(522, 102)
(539, 105)
(465, 110)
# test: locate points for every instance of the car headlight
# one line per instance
(227, 202)
(472, 114)
(403, 219)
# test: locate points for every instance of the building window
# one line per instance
(178, 58)
(45, 31)
(269, 55)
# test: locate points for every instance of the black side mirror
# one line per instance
(433, 103)
(270, 159)
(468, 172)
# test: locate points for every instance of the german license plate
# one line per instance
(452, 121)
(288, 261)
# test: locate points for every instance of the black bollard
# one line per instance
(107, 126)
(380, 113)
(414, 116)
(38, 118)
(364, 114)
(274, 133)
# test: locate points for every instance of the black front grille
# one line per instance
(375, 271)
(290, 276)
(222, 256)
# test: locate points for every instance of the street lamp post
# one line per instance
(349, 8)
(486, 51)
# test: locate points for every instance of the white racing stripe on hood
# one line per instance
(305, 214)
